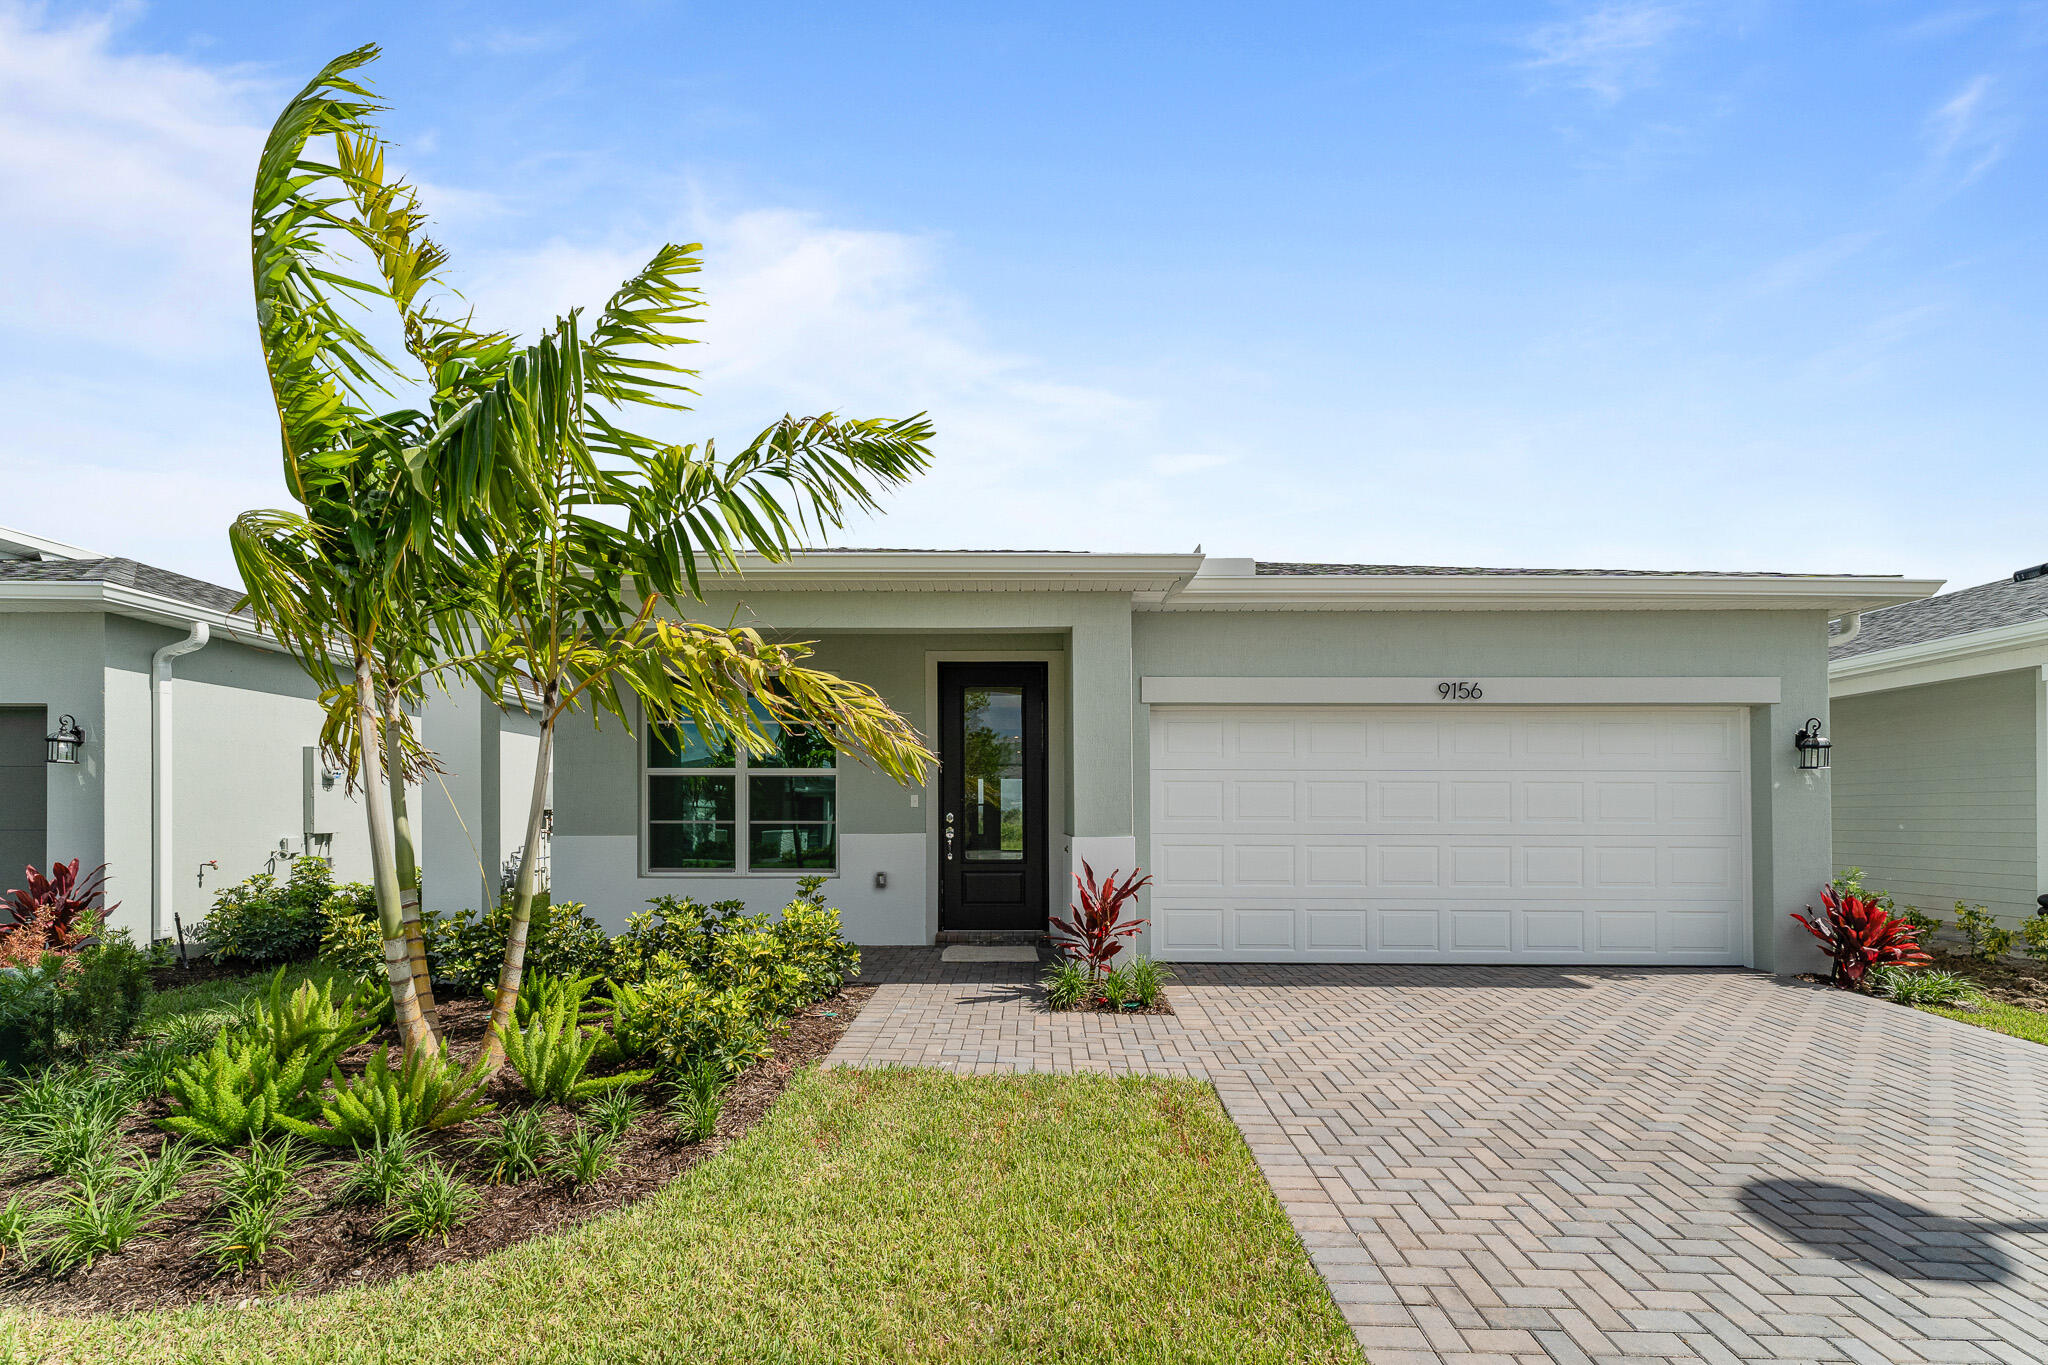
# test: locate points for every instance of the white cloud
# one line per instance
(1610, 49)
(1969, 132)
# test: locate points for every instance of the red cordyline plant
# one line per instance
(1858, 935)
(47, 913)
(1098, 929)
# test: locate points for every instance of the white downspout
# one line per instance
(160, 773)
(1851, 625)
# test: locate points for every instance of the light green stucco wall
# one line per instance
(1937, 792)
(1789, 809)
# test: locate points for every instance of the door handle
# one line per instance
(949, 837)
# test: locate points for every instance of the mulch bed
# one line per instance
(1098, 1007)
(2009, 981)
(334, 1246)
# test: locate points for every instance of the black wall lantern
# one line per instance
(64, 745)
(1813, 746)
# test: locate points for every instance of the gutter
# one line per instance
(160, 771)
(1852, 626)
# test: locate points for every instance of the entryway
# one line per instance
(993, 800)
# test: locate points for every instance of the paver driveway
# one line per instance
(1519, 1164)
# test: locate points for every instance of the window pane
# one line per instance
(680, 746)
(806, 846)
(682, 846)
(779, 799)
(689, 798)
(801, 747)
(992, 773)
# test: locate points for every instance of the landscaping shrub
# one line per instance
(385, 1167)
(17, 1228)
(31, 1008)
(698, 1101)
(261, 921)
(685, 1020)
(427, 1091)
(262, 1175)
(1148, 980)
(102, 1000)
(1114, 988)
(515, 1149)
(52, 914)
(1924, 987)
(1857, 935)
(248, 1231)
(1926, 925)
(583, 1156)
(561, 940)
(239, 1090)
(1988, 942)
(1097, 932)
(308, 1019)
(1066, 985)
(433, 1201)
(553, 1050)
(2034, 937)
(615, 1111)
(106, 1207)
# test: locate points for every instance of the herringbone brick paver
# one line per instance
(1525, 1164)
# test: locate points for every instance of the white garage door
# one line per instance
(1415, 834)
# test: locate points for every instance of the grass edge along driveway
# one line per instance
(874, 1215)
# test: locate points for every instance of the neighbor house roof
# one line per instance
(126, 573)
(2011, 601)
(1285, 569)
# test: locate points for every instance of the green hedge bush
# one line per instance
(262, 920)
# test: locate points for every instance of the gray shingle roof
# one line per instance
(1282, 569)
(1964, 612)
(127, 573)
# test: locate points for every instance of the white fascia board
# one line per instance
(964, 571)
(1546, 592)
(131, 602)
(1589, 691)
(1980, 652)
(25, 544)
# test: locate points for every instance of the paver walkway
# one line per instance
(1522, 1164)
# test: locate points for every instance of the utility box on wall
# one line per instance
(325, 801)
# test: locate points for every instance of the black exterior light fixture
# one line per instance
(66, 742)
(1813, 746)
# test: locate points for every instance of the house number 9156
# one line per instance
(1458, 691)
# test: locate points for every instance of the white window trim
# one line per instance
(742, 810)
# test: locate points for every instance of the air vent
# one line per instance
(2037, 571)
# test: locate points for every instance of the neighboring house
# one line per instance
(1941, 747)
(1316, 762)
(198, 763)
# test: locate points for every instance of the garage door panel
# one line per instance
(1541, 834)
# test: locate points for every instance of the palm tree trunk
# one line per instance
(409, 884)
(414, 1032)
(522, 900)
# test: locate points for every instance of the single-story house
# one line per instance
(1315, 762)
(194, 762)
(1941, 747)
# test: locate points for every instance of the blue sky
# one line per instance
(1637, 284)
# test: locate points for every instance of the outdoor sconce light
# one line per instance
(64, 745)
(1813, 746)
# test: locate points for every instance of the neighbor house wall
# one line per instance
(242, 718)
(1937, 792)
(52, 660)
(1789, 809)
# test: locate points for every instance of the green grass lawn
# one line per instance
(872, 1216)
(2031, 1025)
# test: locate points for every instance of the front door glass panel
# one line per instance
(992, 769)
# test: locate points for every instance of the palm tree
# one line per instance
(617, 527)
(511, 528)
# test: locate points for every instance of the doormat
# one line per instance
(988, 952)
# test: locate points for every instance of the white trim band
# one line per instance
(1495, 691)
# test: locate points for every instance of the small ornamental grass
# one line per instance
(615, 1111)
(515, 1149)
(698, 1101)
(431, 1204)
(249, 1231)
(1148, 979)
(384, 1168)
(262, 1175)
(583, 1156)
(17, 1232)
(1925, 987)
(108, 1206)
(1066, 984)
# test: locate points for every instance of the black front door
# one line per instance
(992, 796)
